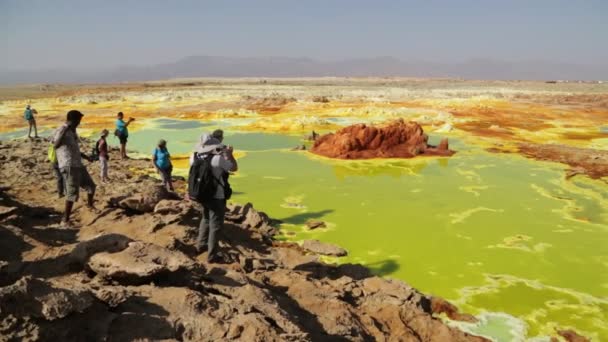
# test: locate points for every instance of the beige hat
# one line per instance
(207, 144)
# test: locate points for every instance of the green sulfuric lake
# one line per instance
(502, 236)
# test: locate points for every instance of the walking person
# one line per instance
(162, 163)
(211, 164)
(102, 148)
(122, 132)
(28, 115)
(69, 159)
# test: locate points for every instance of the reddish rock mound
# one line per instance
(399, 139)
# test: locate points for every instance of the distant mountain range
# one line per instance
(216, 66)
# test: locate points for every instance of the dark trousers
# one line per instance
(60, 186)
(211, 223)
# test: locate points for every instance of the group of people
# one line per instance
(72, 175)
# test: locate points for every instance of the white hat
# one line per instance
(207, 144)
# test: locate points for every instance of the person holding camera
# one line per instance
(222, 162)
(122, 132)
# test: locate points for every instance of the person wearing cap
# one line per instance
(102, 147)
(69, 159)
(162, 163)
(222, 163)
(28, 115)
(122, 132)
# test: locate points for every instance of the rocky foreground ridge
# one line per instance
(130, 271)
(398, 139)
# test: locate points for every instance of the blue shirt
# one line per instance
(162, 158)
(28, 115)
(122, 127)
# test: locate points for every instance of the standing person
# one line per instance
(162, 162)
(28, 115)
(122, 132)
(221, 161)
(69, 158)
(102, 148)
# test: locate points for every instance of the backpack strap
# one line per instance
(210, 156)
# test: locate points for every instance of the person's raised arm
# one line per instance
(229, 154)
(129, 121)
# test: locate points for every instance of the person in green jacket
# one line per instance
(28, 115)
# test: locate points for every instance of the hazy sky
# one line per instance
(105, 33)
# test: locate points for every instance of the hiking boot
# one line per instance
(202, 248)
(66, 224)
(217, 259)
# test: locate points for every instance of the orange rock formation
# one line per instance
(399, 139)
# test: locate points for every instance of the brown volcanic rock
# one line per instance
(319, 247)
(139, 262)
(440, 305)
(591, 162)
(399, 139)
(38, 298)
(571, 336)
(147, 200)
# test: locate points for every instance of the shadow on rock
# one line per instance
(245, 238)
(306, 320)
(384, 267)
(136, 327)
(303, 217)
(319, 270)
(73, 261)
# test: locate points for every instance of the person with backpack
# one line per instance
(28, 115)
(162, 163)
(69, 159)
(210, 166)
(101, 148)
(122, 132)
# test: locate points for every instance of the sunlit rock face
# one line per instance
(399, 139)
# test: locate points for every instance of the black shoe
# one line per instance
(202, 249)
(217, 259)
